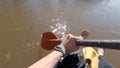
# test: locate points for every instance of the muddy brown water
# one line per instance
(23, 21)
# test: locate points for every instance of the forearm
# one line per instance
(49, 61)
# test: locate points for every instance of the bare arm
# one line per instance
(49, 61)
(68, 42)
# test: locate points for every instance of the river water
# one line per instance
(23, 21)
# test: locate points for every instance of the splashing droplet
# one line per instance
(59, 27)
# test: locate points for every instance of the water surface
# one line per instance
(23, 21)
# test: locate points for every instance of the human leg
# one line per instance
(103, 63)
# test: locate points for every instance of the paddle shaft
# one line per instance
(110, 44)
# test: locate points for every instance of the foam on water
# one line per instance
(59, 27)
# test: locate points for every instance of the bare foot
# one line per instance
(85, 33)
(100, 51)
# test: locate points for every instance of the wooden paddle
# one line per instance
(49, 40)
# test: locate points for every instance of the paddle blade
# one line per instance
(49, 40)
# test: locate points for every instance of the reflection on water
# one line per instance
(23, 22)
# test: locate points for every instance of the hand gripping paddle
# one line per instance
(49, 40)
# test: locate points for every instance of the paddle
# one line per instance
(49, 40)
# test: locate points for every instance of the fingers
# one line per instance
(85, 33)
(69, 36)
(69, 40)
(78, 37)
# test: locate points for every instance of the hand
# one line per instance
(68, 42)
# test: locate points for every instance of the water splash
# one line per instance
(59, 27)
(31, 44)
(8, 56)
